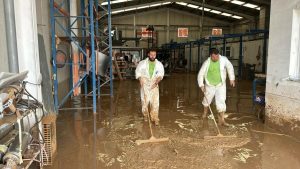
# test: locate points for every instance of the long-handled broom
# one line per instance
(152, 139)
(219, 135)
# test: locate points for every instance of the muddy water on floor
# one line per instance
(106, 140)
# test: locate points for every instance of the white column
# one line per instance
(294, 71)
(27, 42)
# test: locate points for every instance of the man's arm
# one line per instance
(138, 73)
(230, 71)
(159, 75)
(201, 74)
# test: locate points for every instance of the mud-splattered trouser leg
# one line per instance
(217, 92)
(154, 104)
(150, 98)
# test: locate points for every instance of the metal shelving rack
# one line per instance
(92, 32)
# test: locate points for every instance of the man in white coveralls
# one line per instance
(150, 72)
(213, 72)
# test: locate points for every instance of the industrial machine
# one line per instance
(21, 138)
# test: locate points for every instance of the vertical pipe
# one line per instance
(96, 21)
(174, 56)
(168, 25)
(198, 67)
(97, 36)
(110, 49)
(83, 30)
(241, 57)
(152, 39)
(98, 85)
(264, 53)
(179, 54)
(224, 46)
(134, 27)
(190, 67)
(201, 50)
(11, 39)
(92, 32)
(53, 50)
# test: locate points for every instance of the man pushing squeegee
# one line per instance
(150, 72)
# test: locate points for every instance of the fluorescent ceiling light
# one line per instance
(205, 9)
(115, 2)
(237, 2)
(130, 9)
(155, 5)
(250, 5)
(227, 0)
(166, 3)
(237, 17)
(215, 11)
(226, 14)
(119, 11)
(192, 6)
(181, 3)
(142, 7)
(258, 8)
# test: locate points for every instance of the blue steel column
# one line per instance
(241, 57)
(97, 36)
(93, 53)
(174, 56)
(83, 45)
(53, 49)
(224, 46)
(110, 48)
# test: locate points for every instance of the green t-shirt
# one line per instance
(151, 68)
(214, 73)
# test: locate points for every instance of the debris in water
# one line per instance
(243, 154)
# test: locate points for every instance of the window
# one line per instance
(294, 70)
(227, 51)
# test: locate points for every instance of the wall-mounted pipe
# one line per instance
(11, 39)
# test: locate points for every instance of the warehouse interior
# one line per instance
(71, 94)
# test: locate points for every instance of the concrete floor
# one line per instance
(106, 140)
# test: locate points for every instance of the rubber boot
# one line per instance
(221, 119)
(204, 115)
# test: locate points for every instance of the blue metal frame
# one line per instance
(209, 40)
(91, 29)
(224, 46)
(53, 49)
(110, 48)
(92, 32)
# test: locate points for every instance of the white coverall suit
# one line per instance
(219, 91)
(148, 95)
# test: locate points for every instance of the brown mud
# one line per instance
(107, 139)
